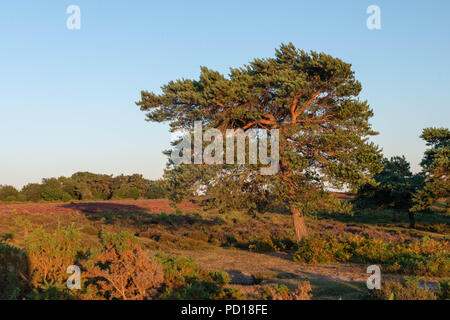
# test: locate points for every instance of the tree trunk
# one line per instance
(412, 220)
(299, 223)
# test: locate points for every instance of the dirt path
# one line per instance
(334, 281)
(278, 264)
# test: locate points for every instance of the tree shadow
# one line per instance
(323, 286)
(126, 214)
(240, 278)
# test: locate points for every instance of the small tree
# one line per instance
(156, 190)
(9, 193)
(311, 98)
(33, 191)
(393, 187)
(436, 167)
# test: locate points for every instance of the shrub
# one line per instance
(220, 277)
(302, 292)
(185, 280)
(281, 292)
(425, 257)
(13, 271)
(258, 277)
(178, 270)
(122, 240)
(444, 289)
(50, 253)
(262, 245)
(408, 289)
(320, 250)
(125, 273)
(194, 290)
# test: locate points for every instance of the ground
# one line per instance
(228, 241)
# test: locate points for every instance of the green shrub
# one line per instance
(262, 245)
(185, 280)
(444, 289)
(122, 240)
(50, 253)
(194, 290)
(425, 257)
(13, 271)
(220, 277)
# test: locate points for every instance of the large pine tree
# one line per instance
(312, 98)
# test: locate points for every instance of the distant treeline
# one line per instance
(86, 186)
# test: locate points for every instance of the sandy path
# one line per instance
(232, 260)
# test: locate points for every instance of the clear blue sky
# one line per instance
(67, 97)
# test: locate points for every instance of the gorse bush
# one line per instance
(117, 268)
(124, 271)
(39, 270)
(13, 271)
(50, 253)
(424, 257)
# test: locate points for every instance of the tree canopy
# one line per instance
(86, 186)
(436, 166)
(392, 188)
(311, 98)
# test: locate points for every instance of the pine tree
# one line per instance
(393, 188)
(436, 166)
(311, 98)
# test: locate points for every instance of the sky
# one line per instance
(67, 97)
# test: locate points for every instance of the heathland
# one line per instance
(147, 249)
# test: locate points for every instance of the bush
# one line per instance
(408, 289)
(262, 245)
(51, 253)
(281, 292)
(184, 280)
(13, 271)
(425, 257)
(122, 240)
(444, 289)
(125, 273)
(194, 290)
(220, 277)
